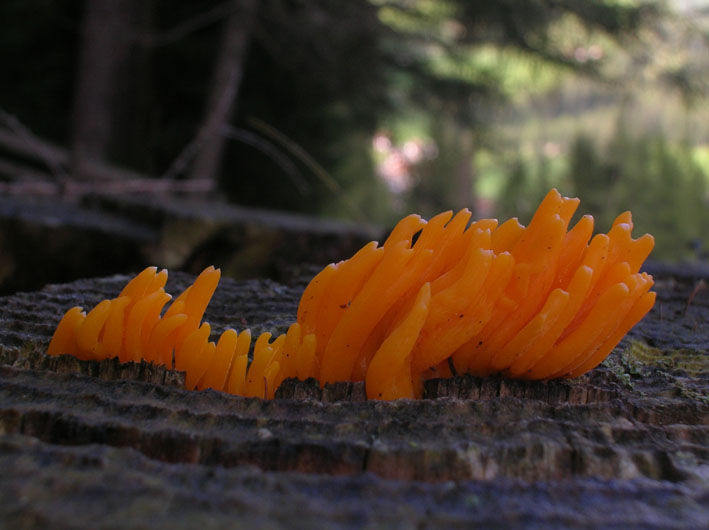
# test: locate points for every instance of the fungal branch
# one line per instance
(536, 302)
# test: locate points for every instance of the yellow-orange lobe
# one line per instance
(437, 298)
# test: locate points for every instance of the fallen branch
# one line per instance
(22, 173)
(105, 178)
(144, 185)
(183, 29)
(309, 161)
(22, 141)
(270, 150)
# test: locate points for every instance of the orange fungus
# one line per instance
(537, 302)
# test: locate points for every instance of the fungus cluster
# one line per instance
(437, 297)
(131, 328)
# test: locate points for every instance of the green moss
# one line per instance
(618, 370)
(625, 367)
(638, 360)
(640, 356)
(691, 393)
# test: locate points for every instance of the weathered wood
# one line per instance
(624, 446)
(55, 486)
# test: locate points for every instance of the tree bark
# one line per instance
(224, 90)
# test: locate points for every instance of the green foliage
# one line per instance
(591, 177)
(525, 186)
(326, 75)
(449, 59)
(470, 56)
(435, 190)
(667, 191)
(660, 182)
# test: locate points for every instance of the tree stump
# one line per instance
(105, 445)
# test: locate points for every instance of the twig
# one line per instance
(30, 188)
(26, 141)
(181, 30)
(701, 285)
(301, 154)
(21, 172)
(108, 178)
(205, 132)
(145, 185)
(267, 148)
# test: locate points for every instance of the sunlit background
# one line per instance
(367, 110)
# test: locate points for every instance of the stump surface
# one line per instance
(104, 445)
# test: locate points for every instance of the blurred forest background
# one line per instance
(367, 109)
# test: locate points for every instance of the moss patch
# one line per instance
(639, 355)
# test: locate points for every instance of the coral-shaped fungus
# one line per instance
(538, 302)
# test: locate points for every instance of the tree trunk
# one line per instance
(105, 46)
(134, 137)
(224, 90)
